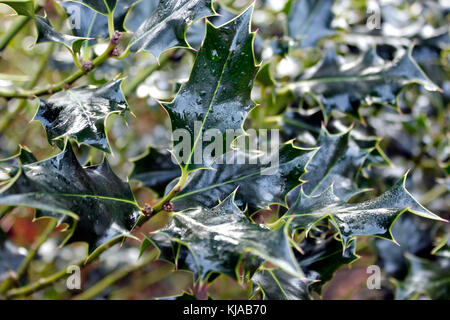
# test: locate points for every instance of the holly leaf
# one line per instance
(425, 277)
(370, 218)
(346, 87)
(21, 7)
(81, 113)
(310, 20)
(216, 99)
(279, 285)
(97, 205)
(155, 170)
(46, 33)
(219, 238)
(88, 23)
(102, 6)
(260, 183)
(166, 27)
(339, 160)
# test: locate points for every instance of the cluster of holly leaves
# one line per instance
(359, 91)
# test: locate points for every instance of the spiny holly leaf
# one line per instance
(371, 218)
(166, 27)
(81, 113)
(218, 238)
(279, 285)
(217, 95)
(345, 87)
(102, 206)
(338, 161)
(259, 184)
(91, 24)
(155, 170)
(10, 256)
(425, 277)
(102, 6)
(321, 258)
(47, 33)
(22, 7)
(310, 20)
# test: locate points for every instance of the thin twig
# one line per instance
(112, 278)
(11, 280)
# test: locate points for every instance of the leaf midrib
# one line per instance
(227, 182)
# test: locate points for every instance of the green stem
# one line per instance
(111, 24)
(112, 278)
(30, 94)
(158, 207)
(48, 281)
(23, 103)
(141, 77)
(15, 28)
(434, 193)
(10, 281)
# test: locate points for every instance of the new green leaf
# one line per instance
(22, 7)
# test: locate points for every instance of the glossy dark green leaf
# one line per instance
(258, 184)
(81, 112)
(217, 95)
(346, 87)
(22, 7)
(310, 20)
(46, 33)
(155, 170)
(88, 23)
(425, 278)
(279, 285)
(97, 204)
(10, 256)
(338, 161)
(321, 258)
(218, 238)
(103, 6)
(370, 218)
(166, 27)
